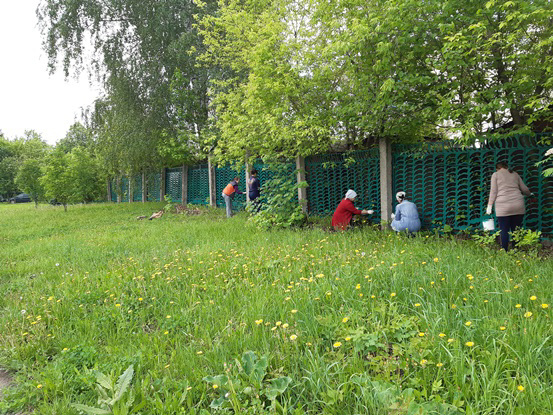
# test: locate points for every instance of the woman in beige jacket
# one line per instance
(506, 192)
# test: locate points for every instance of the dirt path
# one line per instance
(5, 381)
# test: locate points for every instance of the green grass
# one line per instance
(361, 322)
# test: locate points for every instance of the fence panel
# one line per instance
(137, 188)
(153, 186)
(330, 176)
(198, 185)
(450, 186)
(173, 183)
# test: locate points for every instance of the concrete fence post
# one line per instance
(212, 183)
(248, 168)
(162, 186)
(131, 189)
(301, 177)
(385, 149)
(184, 191)
(118, 183)
(144, 195)
(109, 190)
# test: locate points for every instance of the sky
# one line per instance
(30, 98)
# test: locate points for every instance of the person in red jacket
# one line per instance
(345, 211)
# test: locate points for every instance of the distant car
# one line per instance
(21, 198)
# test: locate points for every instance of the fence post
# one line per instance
(302, 191)
(212, 183)
(118, 189)
(385, 148)
(184, 190)
(131, 189)
(248, 168)
(144, 197)
(162, 186)
(109, 190)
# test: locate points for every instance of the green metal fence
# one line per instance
(173, 183)
(137, 188)
(450, 186)
(330, 176)
(153, 186)
(198, 185)
(223, 176)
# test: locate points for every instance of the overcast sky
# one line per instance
(30, 99)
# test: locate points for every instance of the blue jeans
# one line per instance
(228, 205)
(508, 224)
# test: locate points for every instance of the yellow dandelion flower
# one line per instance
(347, 339)
(199, 352)
(308, 344)
(392, 294)
(436, 259)
(417, 304)
(441, 334)
(258, 322)
(293, 311)
(520, 388)
(469, 344)
(421, 334)
(165, 332)
(424, 361)
(518, 305)
(544, 306)
(215, 386)
(39, 386)
(528, 314)
(358, 287)
(337, 344)
(450, 340)
(345, 319)
(453, 306)
(293, 337)
(468, 323)
(285, 326)
(140, 298)
(167, 316)
(117, 305)
(502, 328)
(533, 298)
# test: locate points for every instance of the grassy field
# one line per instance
(186, 314)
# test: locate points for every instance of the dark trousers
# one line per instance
(508, 224)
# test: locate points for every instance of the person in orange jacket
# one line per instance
(229, 192)
(345, 211)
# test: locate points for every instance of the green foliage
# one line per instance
(244, 383)
(169, 205)
(527, 240)
(280, 208)
(485, 238)
(57, 179)
(28, 179)
(77, 136)
(135, 48)
(114, 397)
(86, 176)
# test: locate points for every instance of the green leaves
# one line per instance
(115, 398)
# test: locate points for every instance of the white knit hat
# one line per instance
(350, 194)
(400, 196)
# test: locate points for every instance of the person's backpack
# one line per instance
(229, 189)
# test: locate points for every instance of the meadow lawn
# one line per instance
(212, 313)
